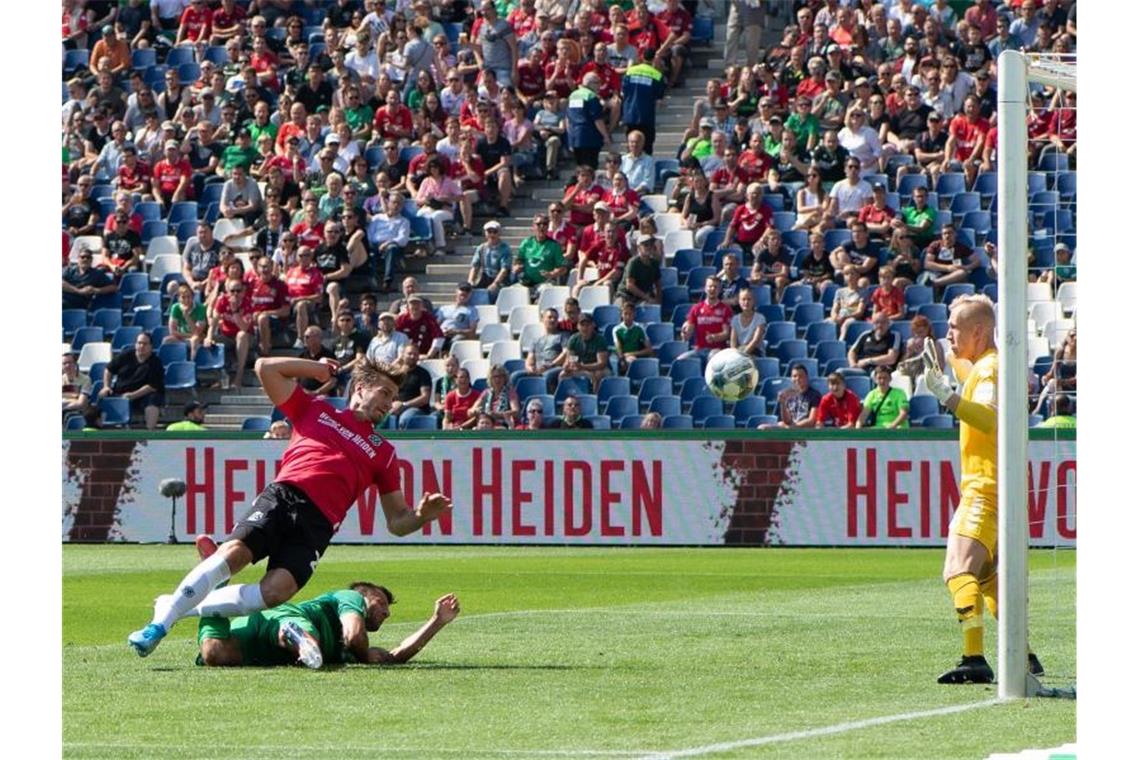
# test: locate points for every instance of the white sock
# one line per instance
(231, 601)
(193, 589)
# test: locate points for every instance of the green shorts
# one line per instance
(257, 634)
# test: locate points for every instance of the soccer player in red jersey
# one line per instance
(332, 458)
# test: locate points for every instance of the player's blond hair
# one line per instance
(369, 373)
(977, 305)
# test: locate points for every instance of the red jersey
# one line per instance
(755, 166)
(303, 283)
(532, 78)
(167, 175)
(459, 407)
(723, 177)
(871, 215)
(266, 62)
(135, 224)
(621, 204)
(333, 457)
(221, 18)
(311, 236)
(197, 23)
(224, 308)
(287, 130)
(611, 82)
(285, 164)
(841, 412)
(608, 258)
(458, 172)
(809, 88)
(521, 22)
(679, 22)
(646, 40)
(892, 303)
(384, 122)
(589, 238)
(133, 179)
(561, 78)
(563, 235)
(1063, 124)
(267, 296)
(587, 197)
(421, 331)
(707, 320)
(418, 163)
(968, 133)
(750, 225)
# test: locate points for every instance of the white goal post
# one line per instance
(1016, 71)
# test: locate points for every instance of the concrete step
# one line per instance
(451, 271)
(256, 396)
(225, 413)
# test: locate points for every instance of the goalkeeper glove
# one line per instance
(936, 382)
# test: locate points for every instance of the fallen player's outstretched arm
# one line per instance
(446, 610)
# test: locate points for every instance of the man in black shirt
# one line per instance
(861, 252)
(137, 376)
(82, 282)
(829, 157)
(876, 347)
(122, 247)
(572, 416)
(415, 392)
(331, 257)
(495, 151)
(909, 122)
(315, 91)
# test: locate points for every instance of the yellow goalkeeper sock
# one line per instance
(967, 598)
(989, 589)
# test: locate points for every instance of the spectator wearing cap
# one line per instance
(172, 176)
(193, 418)
(388, 343)
(122, 247)
(458, 320)
(586, 354)
(700, 147)
(136, 374)
(114, 50)
(491, 261)
(388, 234)
(877, 215)
(1064, 270)
(641, 280)
(589, 132)
(641, 87)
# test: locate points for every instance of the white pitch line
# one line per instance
(812, 733)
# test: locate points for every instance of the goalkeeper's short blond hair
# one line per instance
(976, 306)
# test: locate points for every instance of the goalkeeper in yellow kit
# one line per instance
(970, 571)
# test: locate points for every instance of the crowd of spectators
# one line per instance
(833, 183)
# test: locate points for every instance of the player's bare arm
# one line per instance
(355, 635)
(403, 520)
(446, 610)
(278, 374)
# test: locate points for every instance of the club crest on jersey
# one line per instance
(375, 440)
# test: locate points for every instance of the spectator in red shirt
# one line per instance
(420, 325)
(623, 201)
(749, 222)
(581, 197)
(709, 323)
(888, 297)
(269, 297)
(458, 402)
(611, 81)
(561, 74)
(133, 174)
(172, 177)
(195, 24)
(966, 138)
(393, 120)
(231, 324)
(608, 257)
(226, 22)
(839, 407)
(306, 288)
(1062, 130)
(877, 215)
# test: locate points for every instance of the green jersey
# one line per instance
(1059, 421)
(587, 350)
(256, 130)
(802, 127)
(257, 634)
(888, 411)
(358, 118)
(183, 425)
(184, 321)
(915, 218)
(631, 338)
(538, 258)
(235, 154)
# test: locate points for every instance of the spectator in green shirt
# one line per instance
(539, 259)
(586, 354)
(884, 406)
(630, 340)
(918, 219)
(242, 152)
(803, 124)
(194, 415)
(1063, 418)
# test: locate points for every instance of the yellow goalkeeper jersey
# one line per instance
(979, 449)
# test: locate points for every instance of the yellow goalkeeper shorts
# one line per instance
(976, 518)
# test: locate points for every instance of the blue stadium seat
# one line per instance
(217, 55)
(680, 315)
(143, 58)
(677, 422)
(771, 388)
(571, 386)
(683, 369)
(964, 202)
(549, 408)
(827, 298)
(820, 331)
(805, 313)
(75, 422)
(147, 299)
(777, 332)
(529, 386)
(211, 193)
(935, 312)
(810, 365)
(181, 376)
(666, 405)
(941, 328)
(795, 239)
(783, 220)
(663, 168)
(757, 420)
(173, 352)
(774, 201)
(685, 259)
(256, 424)
(922, 406)
(652, 387)
(767, 366)
(147, 319)
(124, 337)
(116, 411)
(854, 330)
(941, 421)
(794, 295)
(702, 29)
(179, 55)
(188, 73)
(704, 407)
(772, 312)
(641, 368)
(588, 403)
(153, 228)
(600, 422)
(762, 294)
(978, 221)
(73, 319)
(75, 59)
(720, 422)
(1066, 186)
(630, 422)
(668, 352)
(695, 282)
(606, 315)
(836, 237)
(671, 297)
(746, 407)
(423, 422)
(620, 406)
(647, 313)
(950, 184)
(84, 335)
(210, 359)
(858, 384)
(957, 289)
(659, 333)
(826, 350)
(790, 350)
(985, 185)
(610, 387)
(1052, 161)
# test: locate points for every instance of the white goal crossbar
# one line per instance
(1016, 72)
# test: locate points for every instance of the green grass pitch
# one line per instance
(573, 652)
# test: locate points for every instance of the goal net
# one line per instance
(1036, 313)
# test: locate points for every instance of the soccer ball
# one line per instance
(731, 375)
